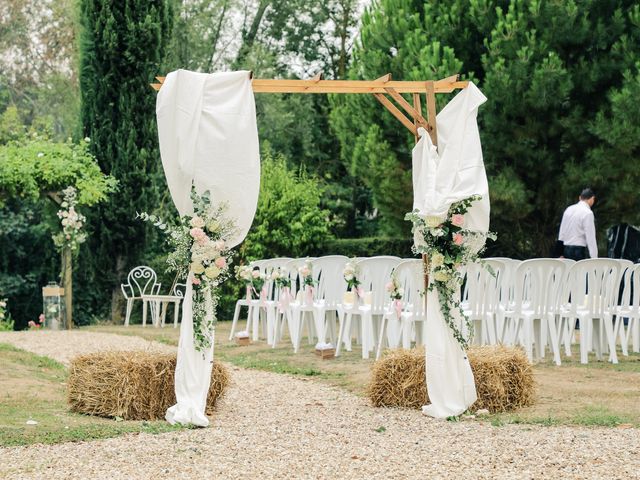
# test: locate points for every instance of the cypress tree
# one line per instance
(122, 45)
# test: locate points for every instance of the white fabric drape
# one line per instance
(209, 138)
(441, 176)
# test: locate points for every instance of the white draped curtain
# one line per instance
(441, 176)
(209, 139)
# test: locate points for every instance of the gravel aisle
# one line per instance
(274, 426)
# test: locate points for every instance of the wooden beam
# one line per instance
(396, 112)
(349, 86)
(418, 119)
(418, 107)
(384, 79)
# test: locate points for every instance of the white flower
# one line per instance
(348, 277)
(212, 271)
(40, 154)
(432, 221)
(197, 268)
(437, 259)
(3, 304)
(87, 139)
(197, 222)
(441, 276)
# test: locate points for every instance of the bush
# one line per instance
(367, 247)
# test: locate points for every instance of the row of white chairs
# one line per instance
(537, 303)
(534, 303)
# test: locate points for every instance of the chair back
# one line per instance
(593, 284)
(328, 272)
(179, 289)
(538, 286)
(141, 280)
(483, 286)
(410, 276)
(375, 273)
(291, 267)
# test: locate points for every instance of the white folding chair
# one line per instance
(374, 274)
(591, 292)
(536, 299)
(400, 328)
(244, 302)
(482, 289)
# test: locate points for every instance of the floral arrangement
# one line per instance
(36, 325)
(448, 246)
(244, 274)
(306, 274)
(199, 253)
(6, 323)
(72, 222)
(281, 277)
(350, 274)
(396, 292)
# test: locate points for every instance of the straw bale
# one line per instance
(503, 376)
(133, 385)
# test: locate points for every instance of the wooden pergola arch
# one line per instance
(409, 115)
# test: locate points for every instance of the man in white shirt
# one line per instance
(577, 230)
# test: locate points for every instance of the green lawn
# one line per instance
(33, 388)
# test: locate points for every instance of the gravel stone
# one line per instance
(276, 426)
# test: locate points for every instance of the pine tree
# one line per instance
(122, 48)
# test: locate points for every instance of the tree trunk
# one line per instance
(67, 283)
(117, 300)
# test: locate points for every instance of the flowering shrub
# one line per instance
(36, 325)
(350, 273)
(449, 246)
(6, 324)
(72, 222)
(198, 246)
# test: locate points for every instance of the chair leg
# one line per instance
(620, 332)
(129, 309)
(236, 316)
(611, 339)
(382, 330)
(341, 326)
(144, 313)
(554, 339)
(176, 312)
(584, 337)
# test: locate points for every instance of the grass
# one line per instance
(34, 388)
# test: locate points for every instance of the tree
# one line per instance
(35, 168)
(554, 74)
(122, 48)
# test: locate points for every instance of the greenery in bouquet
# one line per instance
(72, 233)
(448, 246)
(199, 254)
(350, 274)
(306, 274)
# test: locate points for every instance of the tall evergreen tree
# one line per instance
(560, 78)
(122, 48)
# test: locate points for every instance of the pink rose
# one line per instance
(458, 239)
(457, 220)
(196, 232)
(195, 281)
(41, 318)
(219, 245)
(255, 273)
(221, 262)
(389, 287)
(32, 323)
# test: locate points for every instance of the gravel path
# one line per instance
(275, 426)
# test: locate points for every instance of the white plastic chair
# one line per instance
(592, 287)
(536, 300)
(482, 299)
(141, 280)
(375, 273)
(328, 292)
(625, 307)
(243, 302)
(410, 276)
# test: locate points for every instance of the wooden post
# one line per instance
(67, 282)
(433, 133)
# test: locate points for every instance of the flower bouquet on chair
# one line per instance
(282, 281)
(396, 293)
(308, 284)
(355, 293)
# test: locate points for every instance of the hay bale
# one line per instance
(134, 385)
(503, 375)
